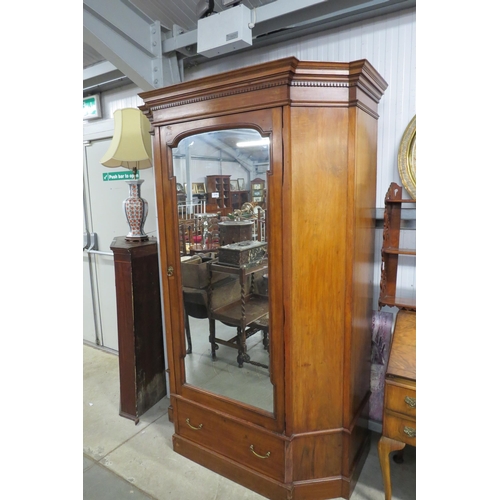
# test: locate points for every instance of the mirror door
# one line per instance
(227, 202)
(224, 263)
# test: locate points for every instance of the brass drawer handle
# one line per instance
(170, 271)
(410, 431)
(267, 455)
(411, 402)
(194, 428)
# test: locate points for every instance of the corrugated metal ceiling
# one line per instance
(168, 12)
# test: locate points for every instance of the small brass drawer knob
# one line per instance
(267, 455)
(192, 427)
(410, 431)
(411, 402)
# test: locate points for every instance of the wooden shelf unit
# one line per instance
(258, 191)
(238, 198)
(391, 250)
(221, 202)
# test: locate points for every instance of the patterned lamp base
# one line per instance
(136, 211)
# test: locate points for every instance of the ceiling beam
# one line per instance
(181, 41)
(101, 76)
(98, 70)
(130, 41)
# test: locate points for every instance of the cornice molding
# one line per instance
(218, 95)
(288, 72)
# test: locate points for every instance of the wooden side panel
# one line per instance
(149, 350)
(141, 358)
(317, 455)
(363, 172)
(126, 344)
(332, 487)
(317, 180)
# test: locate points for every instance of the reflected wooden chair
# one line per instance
(244, 308)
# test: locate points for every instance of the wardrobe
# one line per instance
(307, 436)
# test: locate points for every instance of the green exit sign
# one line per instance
(91, 107)
(119, 176)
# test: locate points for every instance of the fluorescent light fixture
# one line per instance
(248, 144)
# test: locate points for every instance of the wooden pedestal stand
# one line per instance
(140, 333)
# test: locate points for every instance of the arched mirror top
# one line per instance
(248, 146)
(219, 131)
(221, 178)
(260, 122)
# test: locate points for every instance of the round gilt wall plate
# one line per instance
(407, 158)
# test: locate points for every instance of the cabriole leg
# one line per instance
(386, 446)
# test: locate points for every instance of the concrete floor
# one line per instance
(122, 460)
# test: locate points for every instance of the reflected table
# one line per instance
(247, 313)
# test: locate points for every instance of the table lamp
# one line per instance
(131, 148)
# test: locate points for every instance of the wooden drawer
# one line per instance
(401, 399)
(256, 448)
(400, 428)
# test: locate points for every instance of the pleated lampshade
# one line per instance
(131, 144)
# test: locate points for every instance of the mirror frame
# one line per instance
(268, 122)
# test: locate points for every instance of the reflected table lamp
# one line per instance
(131, 148)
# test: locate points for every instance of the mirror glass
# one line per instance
(221, 179)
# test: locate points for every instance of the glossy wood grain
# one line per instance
(252, 446)
(317, 283)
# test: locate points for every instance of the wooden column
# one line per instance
(140, 333)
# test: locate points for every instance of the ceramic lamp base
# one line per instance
(136, 211)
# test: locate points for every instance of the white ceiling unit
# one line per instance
(224, 32)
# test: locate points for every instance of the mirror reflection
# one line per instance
(221, 179)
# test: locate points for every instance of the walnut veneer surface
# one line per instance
(400, 403)
(321, 119)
